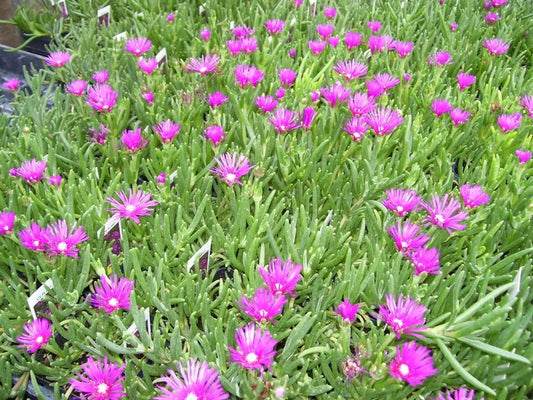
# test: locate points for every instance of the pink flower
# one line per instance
(248, 75)
(280, 93)
(509, 122)
(230, 169)
(112, 294)
(285, 120)
(12, 84)
(170, 18)
(441, 106)
(315, 96)
(55, 180)
(356, 127)
(333, 41)
(443, 213)
(459, 116)
(60, 241)
(316, 46)
(465, 80)
(205, 34)
(38, 333)
(383, 121)
(352, 39)
(413, 364)
(325, 30)
(499, 3)
(147, 66)
(242, 31)
(473, 196)
(167, 130)
(266, 103)
(77, 87)
(287, 77)
(374, 89)
(281, 277)
(7, 219)
(453, 26)
(403, 48)
(523, 156)
(404, 316)
(234, 47)
(204, 65)
(255, 348)
(58, 59)
(275, 26)
(386, 81)
(527, 103)
(31, 171)
(292, 53)
(496, 46)
(361, 104)
(103, 381)
(406, 77)
(458, 394)
(199, 381)
(491, 18)
(347, 311)
(102, 98)
(133, 140)
(378, 44)
(101, 76)
(161, 178)
(33, 238)
(216, 99)
(148, 97)
(374, 26)
(335, 94)
(135, 205)
(405, 236)
(330, 12)
(425, 260)
(351, 69)
(138, 46)
(440, 58)
(402, 201)
(215, 133)
(308, 115)
(100, 135)
(264, 306)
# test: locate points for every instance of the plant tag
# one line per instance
(173, 176)
(312, 7)
(104, 16)
(109, 224)
(201, 257)
(38, 295)
(63, 8)
(120, 36)
(133, 327)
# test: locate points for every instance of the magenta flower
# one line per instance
(443, 213)
(412, 363)
(441, 106)
(308, 115)
(205, 65)
(403, 48)
(330, 12)
(138, 46)
(102, 381)
(167, 130)
(374, 26)
(55, 180)
(147, 66)
(77, 87)
(404, 316)
(473, 196)
(383, 121)
(316, 46)
(527, 103)
(347, 311)
(491, 18)
(280, 93)
(458, 394)
(425, 260)
(523, 156)
(465, 80)
(7, 219)
(281, 277)
(58, 58)
(406, 238)
(315, 96)
(378, 44)
(386, 81)
(406, 77)
(275, 26)
(101, 76)
(242, 31)
(266, 103)
(230, 169)
(498, 3)
(216, 99)
(148, 97)
(333, 41)
(459, 116)
(170, 18)
(264, 306)
(161, 178)
(335, 94)
(402, 201)
(100, 135)
(351, 69)
(205, 34)
(374, 89)
(287, 77)
(509, 122)
(255, 348)
(248, 45)
(133, 140)
(31, 171)
(453, 26)
(361, 104)
(33, 238)
(112, 294)
(12, 84)
(38, 333)
(325, 30)
(215, 133)
(248, 75)
(440, 58)
(59, 240)
(132, 207)
(285, 120)
(234, 47)
(496, 46)
(292, 53)
(356, 127)
(102, 98)
(199, 381)
(352, 39)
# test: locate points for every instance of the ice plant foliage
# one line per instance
(443, 212)
(402, 201)
(112, 294)
(31, 171)
(264, 306)
(230, 168)
(255, 348)
(347, 311)
(413, 363)
(37, 334)
(406, 236)
(132, 207)
(60, 241)
(281, 277)
(101, 380)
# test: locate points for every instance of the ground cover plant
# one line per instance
(272, 199)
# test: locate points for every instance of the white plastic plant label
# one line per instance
(104, 16)
(38, 295)
(63, 8)
(120, 36)
(109, 225)
(202, 254)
